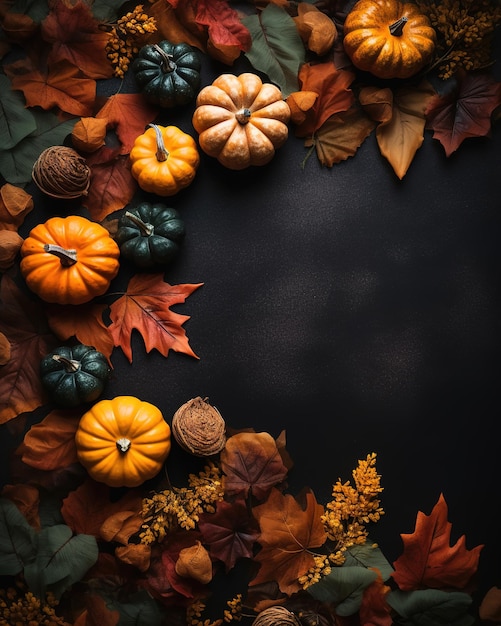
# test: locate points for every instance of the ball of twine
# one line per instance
(199, 428)
(276, 616)
(61, 172)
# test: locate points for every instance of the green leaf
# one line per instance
(344, 587)
(368, 555)
(431, 607)
(141, 610)
(17, 539)
(107, 10)
(16, 164)
(16, 121)
(62, 560)
(36, 9)
(277, 49)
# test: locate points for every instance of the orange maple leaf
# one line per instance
(85, 322)
(145, 307)
(428, 560)
(289, 532)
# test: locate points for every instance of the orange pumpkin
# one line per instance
(69, 260)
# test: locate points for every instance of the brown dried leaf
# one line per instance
(299, 103)
(120, 526)
(89, 133)
(490, 607)
(377, 103)
(18, 28)
(15, 204)
(195, 562)
(315, 28)
(4, 349)
(27, 499)
(136, 554)
(10, 243)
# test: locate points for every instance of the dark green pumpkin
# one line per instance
(168, 74)
(74, 375)
(150, 234)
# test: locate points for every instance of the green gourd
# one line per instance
(150, 234)
(167, 74)
(74, 375)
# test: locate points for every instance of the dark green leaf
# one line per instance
(36, 9)
(141, 610)
(431, 607)
(17, 539)
(16, 121)
(277, 49)
(368, 555)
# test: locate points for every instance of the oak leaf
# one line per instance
(23, 322)
(465, 112)
(334, 94)
(428, 559)
(75, 36)
(252, 464)
(84, 322)
(230, 532)
(145, 306)
(289, 534)
(50, 444)
(400, 137)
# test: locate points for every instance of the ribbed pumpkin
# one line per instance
(387, 38)
(164, 159)
(69, 260)
(123, 442)
(241, 121)
(168, 74)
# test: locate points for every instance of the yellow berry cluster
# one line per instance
(126, 38)
(194, 615)
(181, 506)
(346, 515)
(22, 608)
(464, 33)
(234, 610)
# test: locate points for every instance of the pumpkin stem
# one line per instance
(67, 257)
(123, 444)
(396, 29)
(161, 153)
(70, 365)
(145, 228)
(243, 116)
(167, 64)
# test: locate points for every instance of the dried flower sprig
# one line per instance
(464, 33)
(19, 606)
(181, 506)
(126, 37)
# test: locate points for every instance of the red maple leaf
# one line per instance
(145, 307)
(428, 560)
(465, 112)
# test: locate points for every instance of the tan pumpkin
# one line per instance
(241, 121)
(69, 260)
(123, 442)
(388, 38)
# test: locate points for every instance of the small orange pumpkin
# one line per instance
(69, 260)
(123, 442)
(164, 159)
(241, 121)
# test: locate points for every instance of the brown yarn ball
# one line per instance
(61, 172)
(199, 428)
(276, 616)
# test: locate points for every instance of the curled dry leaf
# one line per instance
(136, 554)
(15, 204)
(120, 526)
(300, 102)
(315, 28)
(89, 133)
(377, 103)
(195, 562)
(490, 607)
(10, 243)
(4, 349)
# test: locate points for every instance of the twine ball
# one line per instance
(199, 428)
(61, 172)
(276, 616)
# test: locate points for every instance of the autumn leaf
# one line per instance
(97, 613)
(4, 349)
(62, 86)
(15, 204)
(289, 534)
(317, 30)
(428, 560)
(230, 532)
(50, 444)
(176, 25)
(490, 606)
(334, 95)
(120, 526)
(300, 102)
(75, 36)
(252, 464)
(23, 322)
(377, 102)
(128, 114)
(27, 500)
(374, 609)
(84, 322)
(465, 112)
(401, 136)
(341, 135)
(87, 508)
(145, 306)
